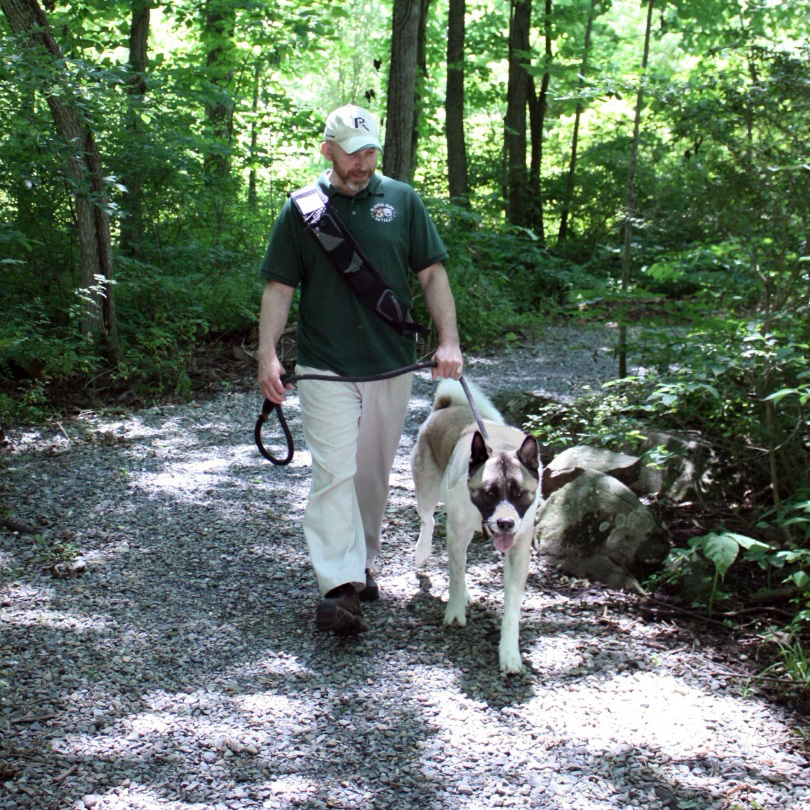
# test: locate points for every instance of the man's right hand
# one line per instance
(270, 385)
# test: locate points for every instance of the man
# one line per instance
(352, 429)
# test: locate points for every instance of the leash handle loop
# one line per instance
(267, 408)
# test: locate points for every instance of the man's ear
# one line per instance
(326, 150)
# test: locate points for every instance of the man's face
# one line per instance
(351, 173)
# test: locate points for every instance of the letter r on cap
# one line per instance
(358, 122)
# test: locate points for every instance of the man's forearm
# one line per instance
(276, 300)
(442, 309)
(275, 310)
(440, 303)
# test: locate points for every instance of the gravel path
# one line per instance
(180, 670)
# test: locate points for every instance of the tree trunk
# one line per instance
(138, 47)
(568, 199)
(630, 194)
(28, 20)
(538, 105)
(517, 180)
(220, 22)
(400, 112)
(421, 79)
(457, 176)
(253, 197)
(132, 223)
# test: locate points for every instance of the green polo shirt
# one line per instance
(336, 330)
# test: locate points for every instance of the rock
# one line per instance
(596, 527)
(679, 467)
(571, 462)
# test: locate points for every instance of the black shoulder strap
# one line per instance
(346, 255)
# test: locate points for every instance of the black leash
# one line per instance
(474, 408)
(268, 407)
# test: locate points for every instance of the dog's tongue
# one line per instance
(505, 541)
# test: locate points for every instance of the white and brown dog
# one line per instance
(491, 485)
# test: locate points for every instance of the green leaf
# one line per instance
(801, 578)
(722, 550)
(748, 543)
(780, 395)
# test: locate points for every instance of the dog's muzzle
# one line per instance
(502, 532)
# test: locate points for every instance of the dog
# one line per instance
(489, 484)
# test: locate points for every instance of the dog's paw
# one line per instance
(422, 554)
(511, 663)
(455, 614)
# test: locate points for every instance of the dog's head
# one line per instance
(503, 485)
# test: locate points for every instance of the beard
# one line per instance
(353, 181)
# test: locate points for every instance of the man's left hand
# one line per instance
(449, 362)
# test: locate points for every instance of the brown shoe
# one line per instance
(371, 593)
(339, 612)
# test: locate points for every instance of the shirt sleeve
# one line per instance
(282, 260)
(427, 246)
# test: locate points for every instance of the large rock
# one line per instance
(569, 464)
(596, 527)
(685, 469)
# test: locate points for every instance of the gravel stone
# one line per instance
(173, 663)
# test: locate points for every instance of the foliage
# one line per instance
(55, 551)
(202, 235)
(720, 379)
(794, 659)
(501, 279)
(715, 390)
(721, 548)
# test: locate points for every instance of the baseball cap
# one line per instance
(352, 128)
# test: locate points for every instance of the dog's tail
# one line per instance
(450, 392)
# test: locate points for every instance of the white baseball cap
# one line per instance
(352, 128)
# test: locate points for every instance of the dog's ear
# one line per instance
(479, 452)
(529, 455)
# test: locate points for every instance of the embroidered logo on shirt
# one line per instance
(383, 212)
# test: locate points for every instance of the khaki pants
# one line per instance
(353, 431)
